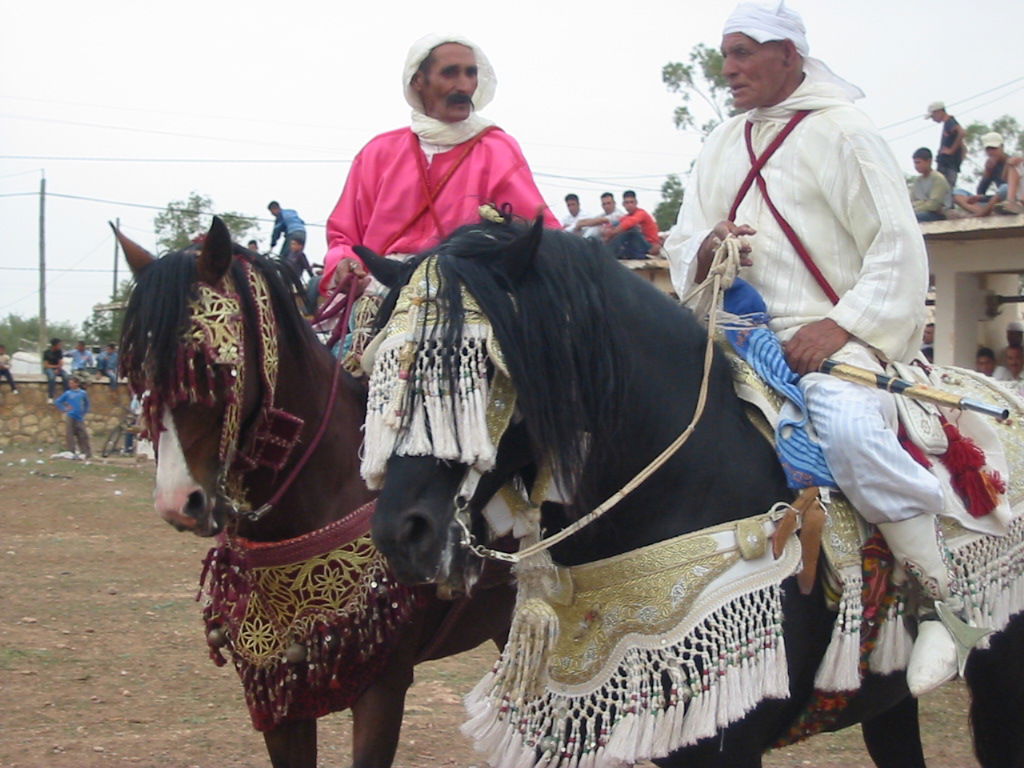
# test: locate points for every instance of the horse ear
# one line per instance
(518, 257)
(388, 272)
(138, 258)
(216, 254)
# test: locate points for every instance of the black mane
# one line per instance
(561, 347)
(157, 313)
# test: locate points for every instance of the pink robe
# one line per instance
(384, 191)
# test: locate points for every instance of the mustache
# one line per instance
(457, 99)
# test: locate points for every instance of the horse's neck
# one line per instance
(725, 471)
(329, 485)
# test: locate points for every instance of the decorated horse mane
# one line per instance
(153, 355)
(544, 294)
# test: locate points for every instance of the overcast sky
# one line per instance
(127, 106)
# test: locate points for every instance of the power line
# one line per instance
(962, 101)
(36, 269)
(212, 160)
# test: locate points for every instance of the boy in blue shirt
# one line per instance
(75, 403)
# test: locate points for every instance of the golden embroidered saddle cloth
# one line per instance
(986, 555)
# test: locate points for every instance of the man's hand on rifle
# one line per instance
(813, 343)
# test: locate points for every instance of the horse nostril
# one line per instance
(415, 528)
(196, 504)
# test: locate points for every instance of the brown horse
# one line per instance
(257, 434)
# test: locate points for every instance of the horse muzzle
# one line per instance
(188, 509)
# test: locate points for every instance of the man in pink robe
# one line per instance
(409, 188)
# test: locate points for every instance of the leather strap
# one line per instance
(757, 163)
(430, 195)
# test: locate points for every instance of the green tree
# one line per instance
(104, 325)
(700, 82)
(18, 332)
(185, 220)
(1013, 138)
(671, 199)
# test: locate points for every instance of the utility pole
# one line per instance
(113, 291)
(42, 263)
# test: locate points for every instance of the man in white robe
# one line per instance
(837, 184)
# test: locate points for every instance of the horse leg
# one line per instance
(292, 744)
(377, 717)
(893, 737)
(996, 679)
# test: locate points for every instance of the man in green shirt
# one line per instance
(929, 192)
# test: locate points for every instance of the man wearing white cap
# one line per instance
(1001, 170)
(411, 187)
(831, 242)
(951, 145)
(1014, 338)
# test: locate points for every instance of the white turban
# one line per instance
(775, 21)
(436, 131)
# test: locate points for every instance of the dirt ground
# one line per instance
(103, 662)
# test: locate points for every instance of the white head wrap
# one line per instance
(775, 21)
(435, 131)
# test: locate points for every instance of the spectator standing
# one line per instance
(81, 358)
(985, 362)
(1014, 338)
(636, 234)
(928, 342)
(107, 364)
(929, 192)
(75, 404)
(287, 224)
(53, 368)
(296, 259)
(5, 369)
(253, 246)
(951, 144)
(1013, 374)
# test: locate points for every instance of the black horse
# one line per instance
(606, 372)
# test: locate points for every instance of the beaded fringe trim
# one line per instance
(720, 662)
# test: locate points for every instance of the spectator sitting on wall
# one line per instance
(53, 367)
(929, 191)
(106, 363)
(287, 224)
(81, 358)
(636, 234)
(595, 225)
(1002, 170)
(5, 369)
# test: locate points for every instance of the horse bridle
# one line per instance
(216, 338)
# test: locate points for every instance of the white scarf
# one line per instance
(764, 23)
(429, 129)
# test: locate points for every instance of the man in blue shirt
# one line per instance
(288, 224)
(75, 403)
(81, 358)
(107, 364)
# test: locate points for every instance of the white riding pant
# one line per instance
(856, 426)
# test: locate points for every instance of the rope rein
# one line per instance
(724, 266)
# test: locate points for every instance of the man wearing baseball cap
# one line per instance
(951, 146)
(1003, 171)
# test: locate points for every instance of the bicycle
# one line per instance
(117, 441)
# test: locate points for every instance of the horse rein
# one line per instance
(348, 285)
(724, 265)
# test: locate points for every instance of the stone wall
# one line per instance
(27, 419)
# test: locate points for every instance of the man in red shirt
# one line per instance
(636, 234)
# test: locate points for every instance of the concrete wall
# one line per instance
(27, 419)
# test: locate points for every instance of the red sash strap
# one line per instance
(430, 195)
(757, 163)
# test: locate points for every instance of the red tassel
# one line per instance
(915, 451)
(979, 490)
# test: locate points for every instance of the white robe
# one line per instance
(837, 183)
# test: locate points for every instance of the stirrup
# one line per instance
(965, 637)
